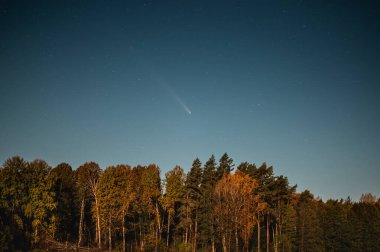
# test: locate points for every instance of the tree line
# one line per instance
(212, 207)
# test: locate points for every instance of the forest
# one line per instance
(215, 206)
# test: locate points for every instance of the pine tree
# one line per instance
(281, 195)
(193, 183)
(335, 226)
(226, 166)
(289, 234)
(309, 233)
(207, 226)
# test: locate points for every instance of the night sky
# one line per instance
(291, 83)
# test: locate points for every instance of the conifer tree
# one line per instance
(335, 226)
(44, 208)
(289, 234)
(193, 191)
(226, 166)
(309, 233)
(207, 226)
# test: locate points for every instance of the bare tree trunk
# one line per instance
(158, 221)
(258, 232)
(141, 237)
(109, 235)
(275, 238)
(224, 243)
(195, 231)
(283, 246)
(229, 240)
(156, 242)
(175, 238)
(268, 232)
(302, 234)
(123, 220)
(81, 223)
(186, 234)
(167, 236)
(98, 223)
(187, 217)
(136, 244)
(278, 225)
(236, 239)
(190, 238)
(36, 235)
(212, 238)
(96, 233)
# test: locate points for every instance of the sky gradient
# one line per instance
(294, 84)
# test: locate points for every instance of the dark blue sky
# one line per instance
(295, 84)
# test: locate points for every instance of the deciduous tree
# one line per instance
(64, 188)
(174, 190)
(88, 176)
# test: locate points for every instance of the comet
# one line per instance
(163, 83)
(183, 105)
(177, 98)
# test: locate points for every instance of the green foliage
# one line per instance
(174, 192)
(39, 205)
(184, 247)
(365, 219)
(335, 225)
(151, 187)
(116, 195)
(148, 219)
(208, 181)
(174, 188)
(87, 177)
(289, 235)
(65, 214)
(309, 233)
(5, 233)
(226, 166)
(13, 198)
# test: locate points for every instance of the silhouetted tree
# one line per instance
(226, 166)
(88, 176)
(174, 190)
(207, 226)
(64, 188)
(210, 209)
(309, 233)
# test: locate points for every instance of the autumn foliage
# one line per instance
(209, 208)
